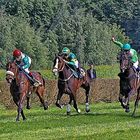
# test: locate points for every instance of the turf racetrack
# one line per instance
(106, 121)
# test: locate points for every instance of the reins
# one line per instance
(65, 80)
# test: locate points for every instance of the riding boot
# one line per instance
(138, 71)
(34, 82)
(79, 73)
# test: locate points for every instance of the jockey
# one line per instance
(132, 52)
(71, 60)
(24, 62)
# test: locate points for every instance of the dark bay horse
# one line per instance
(20, 86)
(129, 81)
(69, 84)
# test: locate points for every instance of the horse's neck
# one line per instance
(130, 72)
(14, 86)
(65, 73)
(21, 77)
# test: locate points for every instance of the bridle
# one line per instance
(124, 61)
(56, 68)
(10, 75)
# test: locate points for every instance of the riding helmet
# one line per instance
(16, 53)
(66, 50)
(127, 46)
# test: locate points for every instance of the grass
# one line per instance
(106, 121)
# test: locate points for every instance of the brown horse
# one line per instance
(20, 86)
(68, 83)
(129, 81)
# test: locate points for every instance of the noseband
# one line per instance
(56, 69)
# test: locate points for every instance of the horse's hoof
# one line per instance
(17, 120)
(62, 106)
(28, 107)
(68, 113)
(24, 119)
(87, 110)
(46, 108)
(58, 105)
(123, 106)
(127, 110)
(79, 111)
(133, 115)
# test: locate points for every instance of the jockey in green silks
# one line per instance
(133, 53)
(71, 59)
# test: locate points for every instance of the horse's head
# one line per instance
(11, 71)
(124, 58)
(58, 65)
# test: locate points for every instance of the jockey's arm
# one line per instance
(119, 44)
(71, 63)
(26, 62)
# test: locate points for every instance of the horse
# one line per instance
(69, 84)
(129, 81)
(20, 87)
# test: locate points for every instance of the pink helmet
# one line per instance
(16, 53)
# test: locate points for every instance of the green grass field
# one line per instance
(106, 121)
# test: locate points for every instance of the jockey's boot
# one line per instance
(138, 71)
(79, 73)
(34, 81)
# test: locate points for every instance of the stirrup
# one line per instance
(138, 74)
(36, 83)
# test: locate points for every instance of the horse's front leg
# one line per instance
(59, 95)
(121, 100)
(69, 106)
(20, 105)
(127, 99)
(22, 113)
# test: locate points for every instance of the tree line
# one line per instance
(41, 28)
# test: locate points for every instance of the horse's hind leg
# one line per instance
(75, 104)
(40, 93)
(87, 89)
(87, 99)
(136, 103)
(28, 106)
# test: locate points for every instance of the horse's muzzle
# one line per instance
(55, 71)
(9, 78)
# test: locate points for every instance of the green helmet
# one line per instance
(65, 50)
(127, 46)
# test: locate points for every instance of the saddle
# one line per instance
(33, 80)
(137, 71)
(79, 73)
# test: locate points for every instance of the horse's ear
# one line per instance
(8, 59)
(56, 54)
